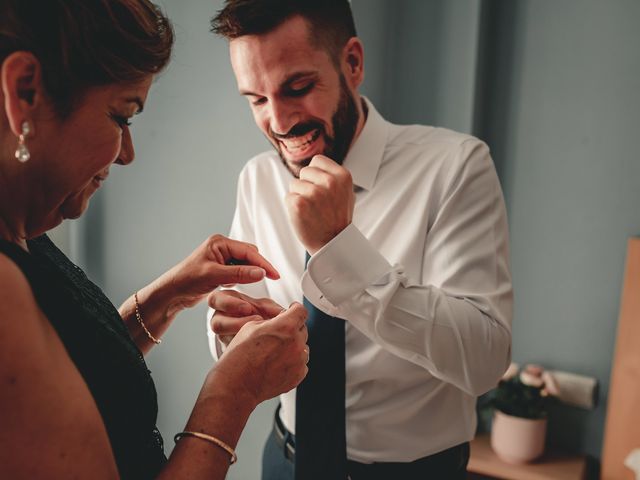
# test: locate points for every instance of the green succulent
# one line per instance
(519, 400)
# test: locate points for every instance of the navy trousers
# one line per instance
(450, 464)
(275, 464)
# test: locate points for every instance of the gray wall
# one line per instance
(192, 140)
(551, 86)
(431, 57)
(561, 112)
(554, 93)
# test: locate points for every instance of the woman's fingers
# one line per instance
(231, 303)
(224, 325)
(296, 313)
(235, 309)
(235, 303)
(241, 253)
(229, 275)
(268, 308)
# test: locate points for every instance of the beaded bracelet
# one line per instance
(210, 439)
(155, 340)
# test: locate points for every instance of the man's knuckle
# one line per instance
(298, 204)
(331, 182)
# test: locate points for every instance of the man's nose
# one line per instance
(283, 117)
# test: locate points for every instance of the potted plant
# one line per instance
(520, 420)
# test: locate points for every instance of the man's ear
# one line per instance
(22, 88)
(353, 62)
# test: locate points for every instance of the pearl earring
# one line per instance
(22, 152)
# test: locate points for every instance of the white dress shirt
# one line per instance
(421, 277)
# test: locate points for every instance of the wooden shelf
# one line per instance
(624, 389)
(551, 466)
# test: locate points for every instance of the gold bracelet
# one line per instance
(210, 439)
(144, 327)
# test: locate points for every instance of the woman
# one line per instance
(76, 399)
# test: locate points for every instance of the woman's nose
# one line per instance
(127, 152)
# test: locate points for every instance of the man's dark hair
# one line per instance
(331, 21)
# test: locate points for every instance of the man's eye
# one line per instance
(299, 92)
(258, 101)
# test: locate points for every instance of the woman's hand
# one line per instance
(267, 357)
(217, 261)
(233, 309)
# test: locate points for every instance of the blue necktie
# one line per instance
(321, 451)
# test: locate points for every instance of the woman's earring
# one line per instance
(22, 152)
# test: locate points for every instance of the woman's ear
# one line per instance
(22, 88)
(353, 62)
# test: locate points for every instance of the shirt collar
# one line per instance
(365, 156)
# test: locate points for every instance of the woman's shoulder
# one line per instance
(27, 338)
(41, 391)
(15, 290)
(23, 332)
(30, 348)
(21, 320)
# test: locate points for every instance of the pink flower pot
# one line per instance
(517, 440)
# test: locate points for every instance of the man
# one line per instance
(406, 232)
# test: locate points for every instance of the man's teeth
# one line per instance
(299, 143)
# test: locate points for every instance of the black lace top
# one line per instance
(100, 346)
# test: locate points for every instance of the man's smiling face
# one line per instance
(299, 98)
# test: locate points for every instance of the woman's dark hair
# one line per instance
(331, 21)
(86, 43)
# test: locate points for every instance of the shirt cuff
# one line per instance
(345, 266)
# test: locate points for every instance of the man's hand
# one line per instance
(234, 309)
(320, 202)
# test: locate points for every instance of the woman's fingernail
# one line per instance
(257, 273)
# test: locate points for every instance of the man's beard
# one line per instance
(344, 122)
